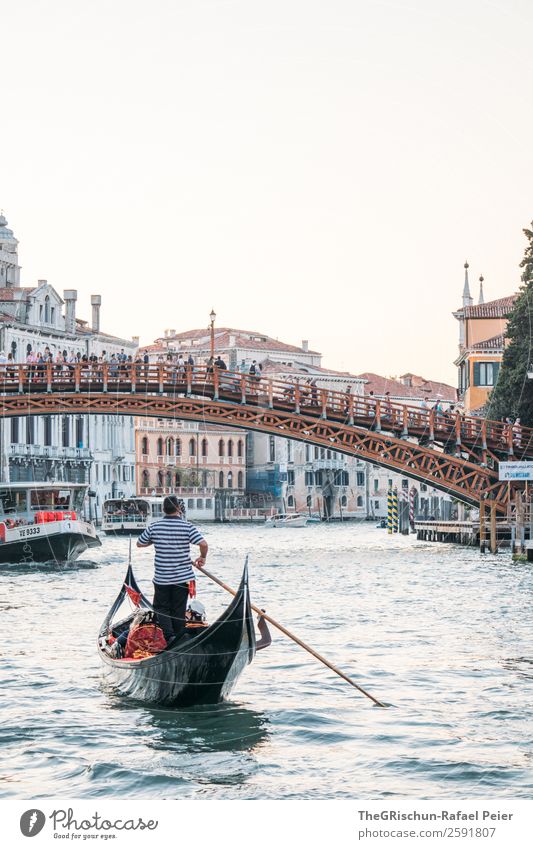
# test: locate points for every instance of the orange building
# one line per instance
(481, 344)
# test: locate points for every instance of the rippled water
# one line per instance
(440, 633)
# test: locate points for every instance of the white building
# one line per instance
(98, 450)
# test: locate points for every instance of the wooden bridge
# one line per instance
(454, 453)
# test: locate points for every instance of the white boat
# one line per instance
(41, 522)
(130, 515)
(287, 520)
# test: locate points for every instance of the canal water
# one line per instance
(438, 632)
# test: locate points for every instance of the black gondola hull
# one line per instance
(195, 670)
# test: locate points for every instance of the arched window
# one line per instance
(178, 479)
(307, 453)
(144, 446)
(204, 479)
(316, 452)
(160, 447)
(160, 478)
(230, 480)
(344, 501)
(309, 501)
(168, 480)
(359, 500)
(205, 447)
(47, 310)
(221, 449)
(192, 447)
(170, 446)
(240, 447)
(240, 480)
(230, 447)
(178, 447)
(290, 501)
(221, 480)
(146, 478)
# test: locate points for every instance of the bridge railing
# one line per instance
(294, 396)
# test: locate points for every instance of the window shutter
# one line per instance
(495, 372)
(477, 374)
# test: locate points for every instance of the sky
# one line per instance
(310, 170)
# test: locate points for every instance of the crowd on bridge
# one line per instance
(297, 392)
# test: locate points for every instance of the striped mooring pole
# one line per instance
(389, 510)
(395, 511)
(412, 508)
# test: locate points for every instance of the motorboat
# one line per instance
(42, 522)
(287, 520)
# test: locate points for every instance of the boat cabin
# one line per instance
(27, 502)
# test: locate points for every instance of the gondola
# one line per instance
(193, 669)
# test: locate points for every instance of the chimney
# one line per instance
(96, 302)
(136, 340)
(305, 345)
(70, 297)
(42, 282)
(232, 341)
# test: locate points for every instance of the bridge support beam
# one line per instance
(482, 527)
(493, 536)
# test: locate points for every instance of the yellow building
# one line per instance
(481, 344)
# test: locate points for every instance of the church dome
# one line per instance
(7, 239)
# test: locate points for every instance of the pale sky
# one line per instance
(311, 169)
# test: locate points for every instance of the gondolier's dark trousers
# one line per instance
(170, 604)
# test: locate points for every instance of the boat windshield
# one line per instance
(126, 508)
(54, 499)
(13, 500)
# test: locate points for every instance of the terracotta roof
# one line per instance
(493, 342)
(8, 293)
(272, 366)
(492, 309)
(243, 339)
(379, 385)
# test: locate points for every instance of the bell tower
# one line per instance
(9, 259)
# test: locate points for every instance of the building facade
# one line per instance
(203, 464)
(97, 450)
(481, 345)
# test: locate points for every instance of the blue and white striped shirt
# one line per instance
(172, 537)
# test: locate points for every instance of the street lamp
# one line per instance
(212, 316)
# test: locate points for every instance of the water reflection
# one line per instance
(50, 566)
(227, 727)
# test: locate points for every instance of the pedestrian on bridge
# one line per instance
(517, 433)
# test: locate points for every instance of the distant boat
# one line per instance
(194, 669)
(130, 516)
(40, 522)
(287, 520)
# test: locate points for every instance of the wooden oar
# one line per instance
(293, 637)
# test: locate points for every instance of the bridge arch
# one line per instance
(457, 456)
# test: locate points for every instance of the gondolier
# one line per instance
(172, 537)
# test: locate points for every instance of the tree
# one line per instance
(513, 394)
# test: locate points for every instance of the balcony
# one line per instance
(318, 465)
(182, 492)
(50, 452)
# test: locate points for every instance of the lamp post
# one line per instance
(212, 316)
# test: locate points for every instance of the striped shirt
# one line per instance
(172, 537)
